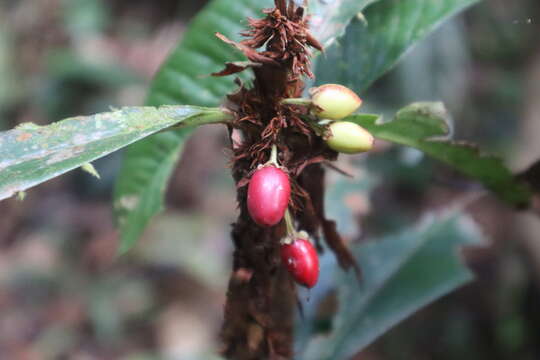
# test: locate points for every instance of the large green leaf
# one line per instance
(31, 154)
(184, 78)
(370, 48)
(402, 273)
(424, 126)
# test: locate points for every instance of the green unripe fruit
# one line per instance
(336, 101)
(349, 138)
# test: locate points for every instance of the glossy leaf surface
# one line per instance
(374, 43)
(31, 154)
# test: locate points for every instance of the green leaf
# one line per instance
(31, 154)
(424, 126)
(369, 49)
(184, 78)
(395, 283)
(329, 19)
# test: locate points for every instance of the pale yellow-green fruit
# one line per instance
(336, 101)
(349, 138)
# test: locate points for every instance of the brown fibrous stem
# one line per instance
(259, 313)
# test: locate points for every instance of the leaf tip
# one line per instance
(89, 168)
(126, 244)
(360, 17)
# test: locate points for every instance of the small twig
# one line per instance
(337, 169)
(291, 231)
(214, 117)
(297, 101)
(273, 155)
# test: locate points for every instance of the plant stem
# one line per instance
(291, 231)
(207, 117)
(273, 156)
(297, 101)
(320, 129)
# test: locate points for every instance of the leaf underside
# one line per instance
(31, 154)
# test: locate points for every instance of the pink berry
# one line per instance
(268, 195)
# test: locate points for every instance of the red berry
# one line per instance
(301, 260)
(268, 195)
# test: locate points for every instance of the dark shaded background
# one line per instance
(64, 295)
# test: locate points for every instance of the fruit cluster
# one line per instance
(269, 189)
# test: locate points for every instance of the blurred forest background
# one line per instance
(65, 295)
